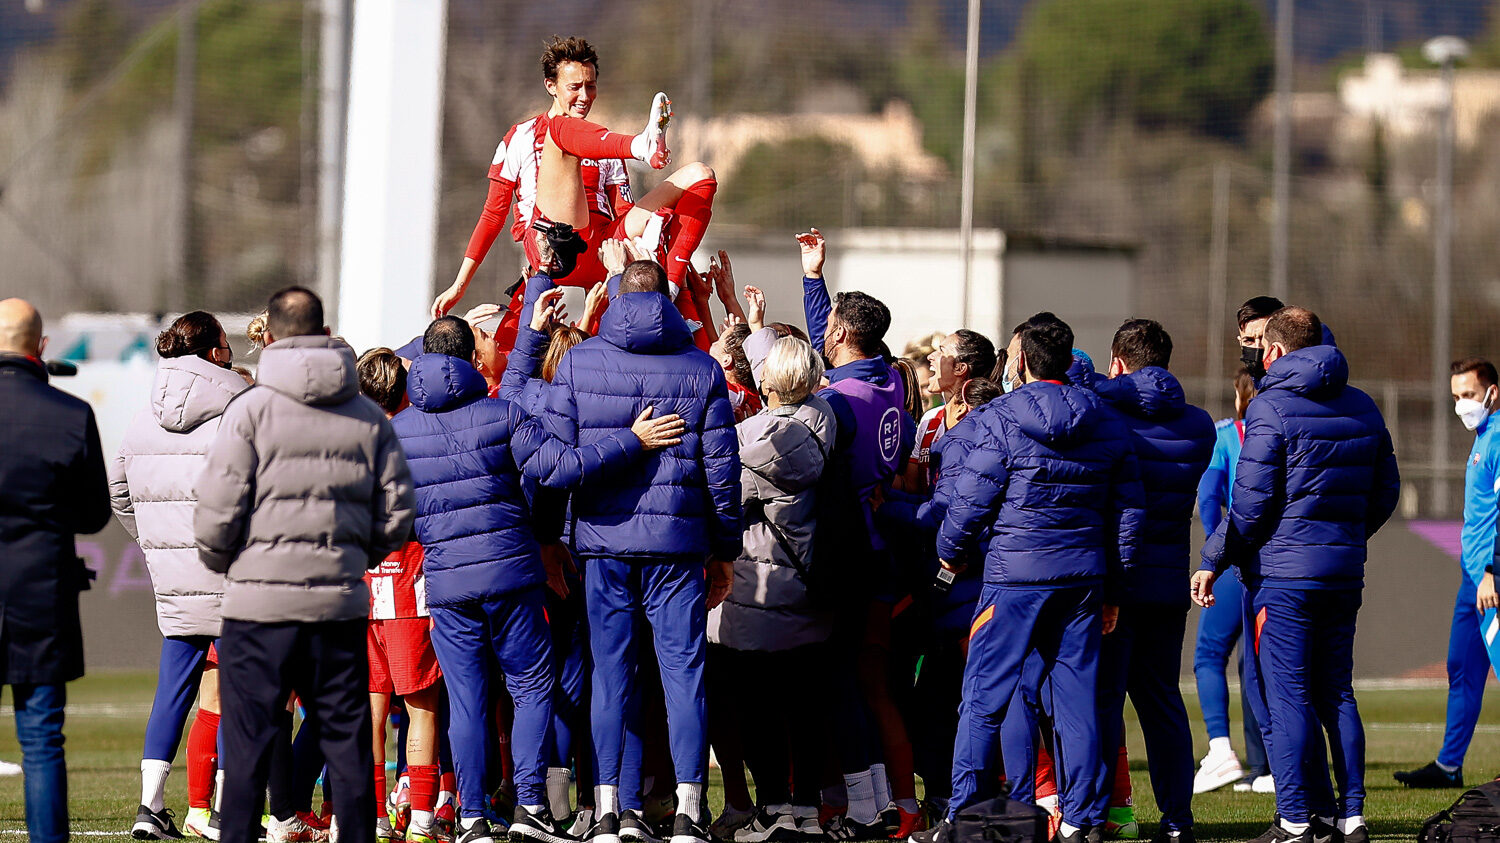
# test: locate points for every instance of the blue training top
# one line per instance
(1216, 488)
(1481, 481)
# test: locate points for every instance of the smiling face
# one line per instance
(574, 89)
(944, 378)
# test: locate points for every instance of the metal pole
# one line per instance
(333, 105)
(1282, 152)
(1442, 298)
(966, 210)
(700, 97)
(185, 292)
(1218, 286)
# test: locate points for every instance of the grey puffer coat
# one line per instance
(151, 488)
(306, 487)
(782, 454)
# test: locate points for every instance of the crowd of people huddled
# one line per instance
(566, 559)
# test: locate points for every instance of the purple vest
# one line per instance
(877, 429)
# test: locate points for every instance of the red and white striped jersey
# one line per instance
(930, 429)
(518, 159)
(397, 588)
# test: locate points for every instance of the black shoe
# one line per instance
(843, 828)
(1277, 834)
(1431, 776)
(684, 830)
(154, 825)
(1358, 835)
(479, 832)
(1163, 835)
(942, 832)
(1082, 835)
(606, 830)
(1324, 832)
(539, 826)
(633, 827)
(890, 819)
(767, 826)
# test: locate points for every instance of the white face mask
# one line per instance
(1472, 412)
(1008, 380)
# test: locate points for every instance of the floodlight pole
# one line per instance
(966, 210)
(1443, 51)
(1281, 179)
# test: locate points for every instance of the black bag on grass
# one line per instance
(1000, 820)
(1474, 818)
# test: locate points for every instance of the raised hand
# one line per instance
(594, 303)
(545, 309)
(446, 300)
(658, 433)
(814, 251)
(755, 309)
(480, 312)
(612, 254)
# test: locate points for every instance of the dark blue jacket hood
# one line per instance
(1051, 415)
(1150, 392)
(1319, 371)
(437, 383)
(645, 323)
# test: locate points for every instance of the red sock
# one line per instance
(1120, 794)
(1046, 775)
(202, 759)
(380, 792)
(424, 786)
(579, 137)
(448, 783)
(689, 310)
(690, 219)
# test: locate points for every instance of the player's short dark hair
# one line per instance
(561, 50)
(1294, 328)
(194, 333)
(1257, 308)
(980, 391)
(865, 317)
(784, 329)
(1142, 342)
(975, 351)
(382, 378)
(294, 312)
(643, 277)
(1482, 369)
(449, 335)
(1037, 319)
(1047, 343)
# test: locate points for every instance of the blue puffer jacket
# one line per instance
(1316, 478)
(682, 501)
(1173, 443)
(467, 453)
(1051, 469)
(522, 381)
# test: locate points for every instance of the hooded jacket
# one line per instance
(682, 501)
(306, 487)
(467, 453)
(1316, 478)
(1050, 473)
(783, 453)
(1173, 442)
(151, 482)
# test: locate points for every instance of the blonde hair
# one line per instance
(792, 370)
(255, 332)
(564, 337)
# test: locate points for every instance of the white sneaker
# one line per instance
(9, 768)
(1217, 770)
(1263, 784)
(294, 830)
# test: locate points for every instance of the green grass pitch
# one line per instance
(107, 719)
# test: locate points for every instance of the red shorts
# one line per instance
(402, 660)
(588, 271)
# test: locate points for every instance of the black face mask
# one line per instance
(1251, 356)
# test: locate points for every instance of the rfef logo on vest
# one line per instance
(890, 433)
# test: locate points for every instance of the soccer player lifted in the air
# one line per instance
(558, 167)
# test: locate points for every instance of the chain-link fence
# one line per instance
(158, 155)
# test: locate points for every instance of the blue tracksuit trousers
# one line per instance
(471, 639)
(1468, 669)
(672, 594)
(1025, 725)
(1305, 659)
(1219, 630)
(177, 677)
(1062, 625)
(1143, 658)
